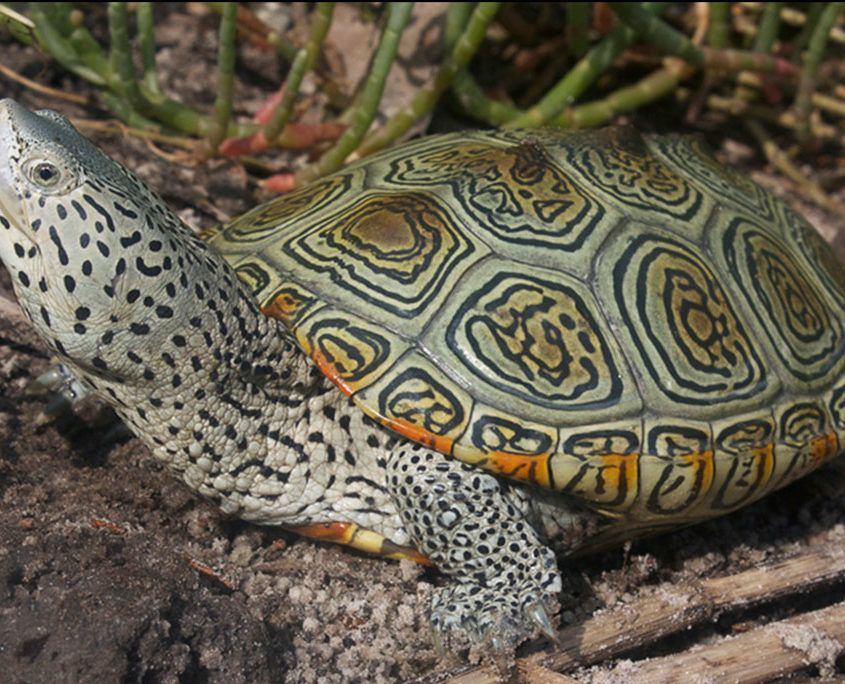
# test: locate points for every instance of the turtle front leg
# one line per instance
(473, 528)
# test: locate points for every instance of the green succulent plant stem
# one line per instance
(809, 71)
(578, 27)
(764, 41)
(461, 52)
(364, 113)
(302, 63)
(223, 101)
(71, 46)
(146, 43)
(718, 30)
(565, 93)
(656, 32)
(656, 85)
(767, 31)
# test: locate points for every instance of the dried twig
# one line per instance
(672, 609)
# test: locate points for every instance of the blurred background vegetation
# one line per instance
(774, 69)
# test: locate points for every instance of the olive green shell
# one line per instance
(617, 317)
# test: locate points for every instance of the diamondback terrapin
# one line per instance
(468, 350)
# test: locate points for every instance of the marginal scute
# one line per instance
(744, 460)
(289, 302)
(263, 222)
(599, 465)
(417, 399)
(350, 350)
(836, 405)
(676, 468)
(805, 438)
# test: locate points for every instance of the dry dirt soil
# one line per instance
(111, 570)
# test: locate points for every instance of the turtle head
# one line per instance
(85, 241)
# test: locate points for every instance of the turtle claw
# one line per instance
(538, 614)
(438, 643)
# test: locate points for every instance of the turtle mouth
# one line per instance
(13, 214)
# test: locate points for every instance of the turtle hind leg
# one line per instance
(472, 526)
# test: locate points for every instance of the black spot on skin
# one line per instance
(132, 296)
(20, 252)
(131, 240)
(82, 313)
(87, 268)
(79, 209)
(61, 211)
(56, 240)
(24, 278)
(70, 283)
(46, 316)
(84, 240)
(104, 248)
(179, 341)
(149, 271)
(79, 329)
(100, 210)
(139, 328)
(128, 213)
(42, 285)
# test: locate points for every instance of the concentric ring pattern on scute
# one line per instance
(616, 317)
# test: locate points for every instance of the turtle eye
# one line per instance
(46, 174)
(50, 176)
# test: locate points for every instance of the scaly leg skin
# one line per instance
(472, 526)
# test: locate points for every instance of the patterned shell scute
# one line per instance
(616, 317)
(803, 331)
(532, 342)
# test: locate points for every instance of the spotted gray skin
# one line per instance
(150, 319)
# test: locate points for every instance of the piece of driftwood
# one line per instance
(762, 654)
(672, 609)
